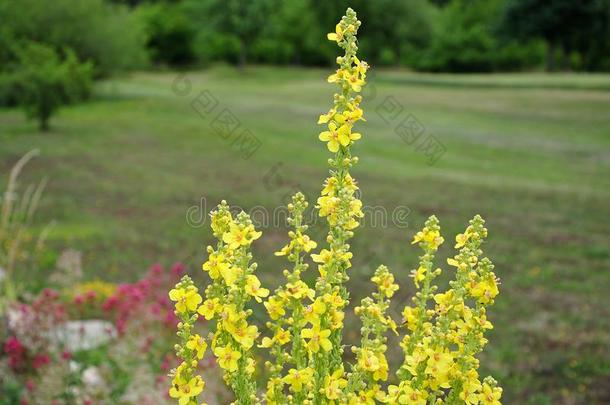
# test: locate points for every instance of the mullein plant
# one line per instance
(443, 332)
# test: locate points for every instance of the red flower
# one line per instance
(41, 360)
(15, 351)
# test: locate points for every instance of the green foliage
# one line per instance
(170, 34)
(454, 35)
(430, 35)
(107, 34)
(566, 25)
(45, 80)
(466, 42)
(234, 24)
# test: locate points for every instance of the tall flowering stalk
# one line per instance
(444, 332)
(371, 368)
(290, 309)
(342, 210)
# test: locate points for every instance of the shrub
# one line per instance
(45, 81)
(169, 33)
(444, 331)
(109, 35)
(49, 356)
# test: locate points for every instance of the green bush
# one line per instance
(170, 34)
(107, 34)
(45, 80)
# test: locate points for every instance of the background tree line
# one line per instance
(50, 51)
(440, 35)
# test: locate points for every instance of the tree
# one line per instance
(223, 23)
(45, 81)
(109, 35)
(565, 25)
(170, 34)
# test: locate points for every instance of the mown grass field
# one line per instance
(531, 153)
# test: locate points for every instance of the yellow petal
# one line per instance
(333, 146)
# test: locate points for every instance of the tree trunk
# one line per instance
(565, 59)
(243, 55)
(43, 123)
(550, 57)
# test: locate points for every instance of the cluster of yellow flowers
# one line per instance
(100, 289)
(445, 331)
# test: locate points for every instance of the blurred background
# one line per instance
(143, 115)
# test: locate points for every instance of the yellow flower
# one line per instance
(335, 77)
(431, 238)
(231, 274)
(282, 336)
(228, 314)
(336, 36)
(419, 275)
(197, 344)
(337, 137)
(361, 66)
(382, 372)
(470, 387)
(275, 307)
(306, 243)
(323, 257)
(318, 338)
(187, 299)
(439, 365)
(336, 319)
(461, 239)
(243, 333)
(490, 395)
(253, 288)
(299, 290)
(363, 398)
(334, 384)
(414, 397)
(240, 235)
(330, 187)
(386, 284)
(227, 357)
(410, 316)
(184, 391)
(216, 265)
(209, 308)
(485, 290)
(368, 360)
(312, 312)
(350, 116)
(324, 118)
(101, 289)
(283, 251)
(355, 81)
(298, 378)
(328, 205)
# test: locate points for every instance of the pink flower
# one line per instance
(15, 351)
(178, 270)
(41, 360)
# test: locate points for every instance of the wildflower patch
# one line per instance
(442, 333)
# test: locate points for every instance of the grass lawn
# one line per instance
(531, 153)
